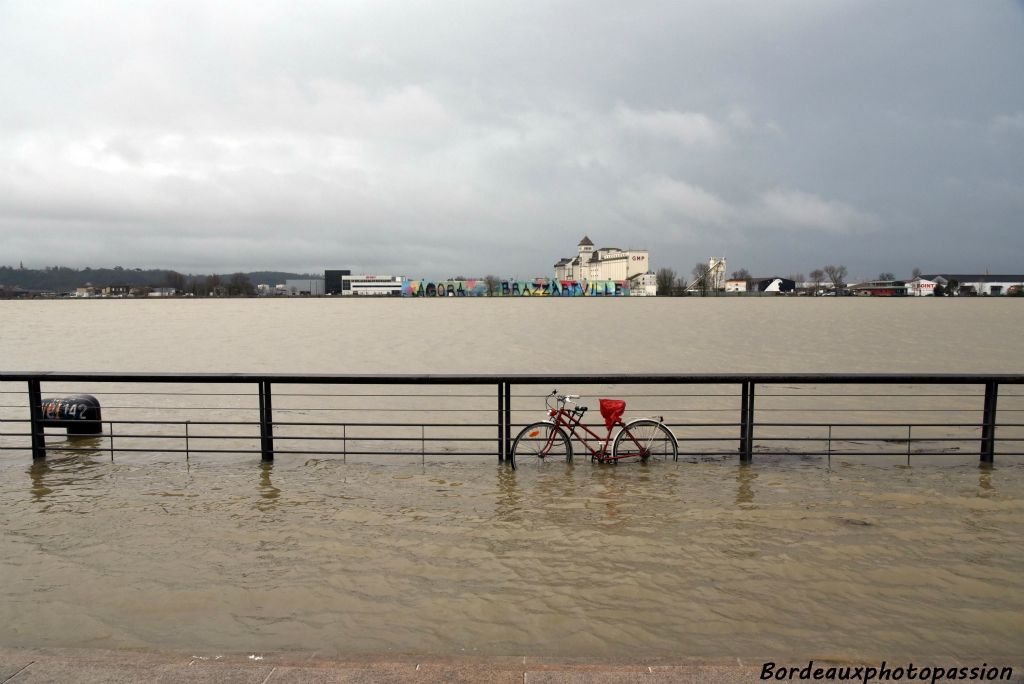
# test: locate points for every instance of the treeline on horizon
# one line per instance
(65, 279)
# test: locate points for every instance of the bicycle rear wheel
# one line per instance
(645, 440)
(541, 442)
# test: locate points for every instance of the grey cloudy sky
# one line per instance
(434, 138)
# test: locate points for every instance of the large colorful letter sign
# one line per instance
(539, 287)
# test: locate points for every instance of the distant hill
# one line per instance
(64, 279)
(275, 277)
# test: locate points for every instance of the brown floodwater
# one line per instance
(851, 556)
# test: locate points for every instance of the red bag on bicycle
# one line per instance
(612, 410)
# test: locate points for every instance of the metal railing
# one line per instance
(473, 415)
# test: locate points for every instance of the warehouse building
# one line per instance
(304, 287)
(372, 285)
(333, 283)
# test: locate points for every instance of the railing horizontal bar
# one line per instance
(873, 426)
(104, 452)
(352, 438)
(526, 379)
(417, 452)
(256, 451)
(528, 410)
(869, 410)
(278, 423)
(869, 440)
(144, 435)
(881, 425)
(277, 410)
(386, 410)
(902, 453)
(281, 423)
(873, 394)
(282, 394)
(658, 409)
(529, 396)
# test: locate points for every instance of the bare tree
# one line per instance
(886, 275)
(916, 273)
(680, 286)
(836, 274)
(702, 278)
(239, 284)
(175, 280)
(213, 284)
(491, 282)
(742, 274)
(666, 279)
(817, 276)
(197, 286)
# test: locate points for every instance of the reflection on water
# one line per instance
(984, 479)
(268, 492)
(509, 498)
(745, 476)
(39, 470)
(695, 559)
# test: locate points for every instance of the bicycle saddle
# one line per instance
(612, 410)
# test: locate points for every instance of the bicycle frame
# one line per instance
(571, 420)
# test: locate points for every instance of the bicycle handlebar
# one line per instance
(561, 398)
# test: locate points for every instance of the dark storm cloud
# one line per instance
(464, 138)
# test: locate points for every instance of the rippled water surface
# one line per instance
(704, 559)
(445, 555)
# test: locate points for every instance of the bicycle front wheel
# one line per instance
(539, 443)
(645, 440)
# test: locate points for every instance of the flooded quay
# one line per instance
(848, 557)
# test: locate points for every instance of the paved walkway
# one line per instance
(24, 666)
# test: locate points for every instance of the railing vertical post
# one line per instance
(988, 423)
(910, 441)
(507, 419)
(266, 421)
(35, 412)
(501, 422)
(830, 445)
(747, 423)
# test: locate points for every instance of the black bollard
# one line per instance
(79, 413)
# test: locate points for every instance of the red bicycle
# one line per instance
(643, 439)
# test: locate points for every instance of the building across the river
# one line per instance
(333, 283)
(606, 263)
(966, 284)
(770, 285)
(304, 287)
(372, 285)
(880, 288)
